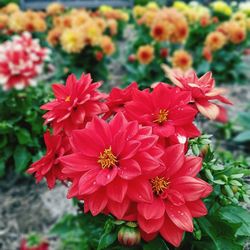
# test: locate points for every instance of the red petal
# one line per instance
(87, 183)
(150, 226)
(118, 209)
(117, 194)
(197, 208)
(140, 190)
(174, 197)
(191, 188)
(129, 169)
(97, 202)
(191, 167)
(153, 210)
(171, 233)
(180, 216)
(105, 176)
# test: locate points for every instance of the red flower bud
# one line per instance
(129, 235)
(164, 52)
(98, 56)
(132, 58)
(30, 244)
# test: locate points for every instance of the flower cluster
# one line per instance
(125, 153)
(21, 61)
(78, 29)
(13, 20)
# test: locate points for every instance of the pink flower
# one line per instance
(203, 91)
(111, 163)
(76, 103)
(21, 62)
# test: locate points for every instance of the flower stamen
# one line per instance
(67, 99)
(107, 159)
(162, 116)
(159, 185)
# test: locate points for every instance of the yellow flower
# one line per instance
(221, 7)
(239, 17)
(145, 54)
(72, 40)
(215, 40)
(181, 6)
(11, 8)
(138, 11)
(92, 32)
(152, 6)
(182, 59)
(55, 9)
(17, 22)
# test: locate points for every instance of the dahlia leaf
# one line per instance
(157, 243)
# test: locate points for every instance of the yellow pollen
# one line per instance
(159, 184)
(67, 99)
(107, 159)
(162, 116)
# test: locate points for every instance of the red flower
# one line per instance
(166, 109)
(49, 166)
(164, 52)
(203, 91)
(111, 155)
(43, 245)
(99, 56)
(118, 98)
(75, 104)
(177, 198)
(21, 62)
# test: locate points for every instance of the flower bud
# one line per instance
(164, 52)
(98, 56)
(129, 235)
(132, 58)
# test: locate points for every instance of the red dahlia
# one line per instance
(49, 166)
(75, 104)
(177, 194)
(203, 91)
(111, 163)
(166, 109)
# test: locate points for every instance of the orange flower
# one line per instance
(182, 59)
(180, 33)
(3, 21)
(55, 9)
(237, 34)
(54, 36)
(161, 30)
(145, 54)
(107, 45)
(112, 25)
(207, 54)
(215, 40)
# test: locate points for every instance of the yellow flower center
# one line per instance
(107, 159)
(67, 99)
(162, 116)
(159, 184)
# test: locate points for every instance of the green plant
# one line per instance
(21, 127)
(244, 121)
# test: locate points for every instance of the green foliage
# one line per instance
(5, 2)
(21, 130)
(244, 121)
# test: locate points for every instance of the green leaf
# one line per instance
(237, 215)
(23, 136)
(243, 137)
(158, 243)
(2, 167)
(106, 240)
(21, 158)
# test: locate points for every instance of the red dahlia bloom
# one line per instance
(177, 196)
(49, 166)
(109, 155)
(75, 104)
(203, 91)
(166, 109)
(118, 98)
